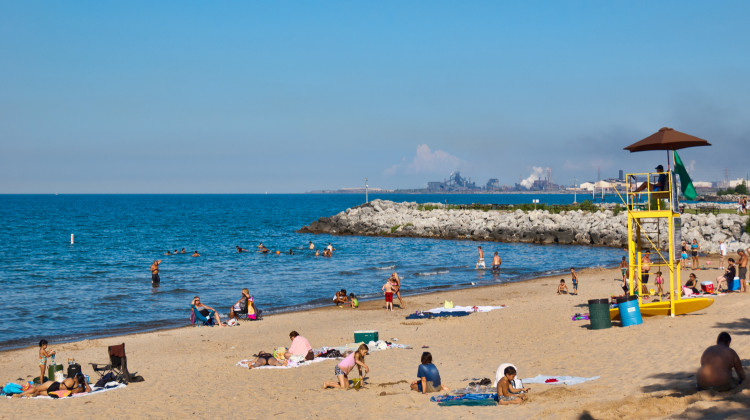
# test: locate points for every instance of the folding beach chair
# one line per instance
(200, 319)
(118, 364)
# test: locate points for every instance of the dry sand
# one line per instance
(647, 371)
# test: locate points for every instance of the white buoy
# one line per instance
(71, 239)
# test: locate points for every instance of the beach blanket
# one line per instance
(374, 346)
(465, 309)
(432, 315)
(94, 390)
(291, 364)
(467, 402)
(465, 398)
(557, 380)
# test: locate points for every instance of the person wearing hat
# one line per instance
(661, 182)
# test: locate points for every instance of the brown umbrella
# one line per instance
(667, 139)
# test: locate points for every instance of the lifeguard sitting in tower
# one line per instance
(660, 184)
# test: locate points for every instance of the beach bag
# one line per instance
(104, 380)
(448, 304)
(11, 388)
(73, 370)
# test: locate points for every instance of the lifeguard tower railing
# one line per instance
(647, 210)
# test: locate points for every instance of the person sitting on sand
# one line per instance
(353, 301)
(506, 394)
(562, 288)
(196, 254)
(692, 284)
(75, 385)
(265, 359)
(717, 363)
(429, 377)
(340, 297)
(205, 310)
(728, 276)
(300, 347)
(342, 369)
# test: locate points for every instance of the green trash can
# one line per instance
(599, 314)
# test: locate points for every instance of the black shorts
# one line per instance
(695, 253)
(743, 273)
(155, 278)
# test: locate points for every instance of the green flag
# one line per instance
(687, 184)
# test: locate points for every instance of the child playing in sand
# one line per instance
(506, 394)
(659, 284)
(353, 301)
(575, 281)
(345, 366)
(43, 355)
(388, 290)
(562, 288)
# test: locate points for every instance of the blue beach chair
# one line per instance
(203, 320)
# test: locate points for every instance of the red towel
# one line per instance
(550, 380)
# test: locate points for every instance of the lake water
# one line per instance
(101, 284)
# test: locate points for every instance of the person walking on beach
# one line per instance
(388, 291)
(480, 261)
(645, 269)
(717, 363)
(722, 253)
(624, 269)
(155, 273)
(574, 279)
(742, 266)
(694, 248)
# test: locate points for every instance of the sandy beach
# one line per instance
(646, 371)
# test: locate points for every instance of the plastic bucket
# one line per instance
(599, 314)
(630, 312)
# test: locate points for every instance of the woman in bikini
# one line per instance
(265, 359)
(75, 385)
(396, 282)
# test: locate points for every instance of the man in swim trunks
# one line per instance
(388, 291)
(480, 261)
(742, 268)
(496, 262)
(717, 363)
(155, 272)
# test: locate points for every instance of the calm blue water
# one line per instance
(101, 285)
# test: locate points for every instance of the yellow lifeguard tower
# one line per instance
(653, 211)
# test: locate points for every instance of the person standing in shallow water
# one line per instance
(480, 261)
(155, 273)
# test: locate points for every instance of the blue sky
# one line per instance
(251, 97)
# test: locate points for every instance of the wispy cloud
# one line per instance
(426, 161)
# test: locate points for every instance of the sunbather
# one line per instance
(75, 385)
(265, 359)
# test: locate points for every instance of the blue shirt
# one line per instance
(431, 373)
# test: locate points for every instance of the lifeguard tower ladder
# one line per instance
(647, 211)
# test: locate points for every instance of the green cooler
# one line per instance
(365, 336)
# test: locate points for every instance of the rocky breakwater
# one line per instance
(603, 228)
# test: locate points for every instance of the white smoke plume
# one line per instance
(536, 174)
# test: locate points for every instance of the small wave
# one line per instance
(347, 273)
(432, 273)
(387, 267)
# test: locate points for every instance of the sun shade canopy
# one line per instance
(667, 139)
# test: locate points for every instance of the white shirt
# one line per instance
(723, 249)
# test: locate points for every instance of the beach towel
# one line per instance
(466, 397)
(559, 380)
(465, 309)
(374, 346)
(94, 390)
(290, 365)
(468, 402)
(431, 315)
